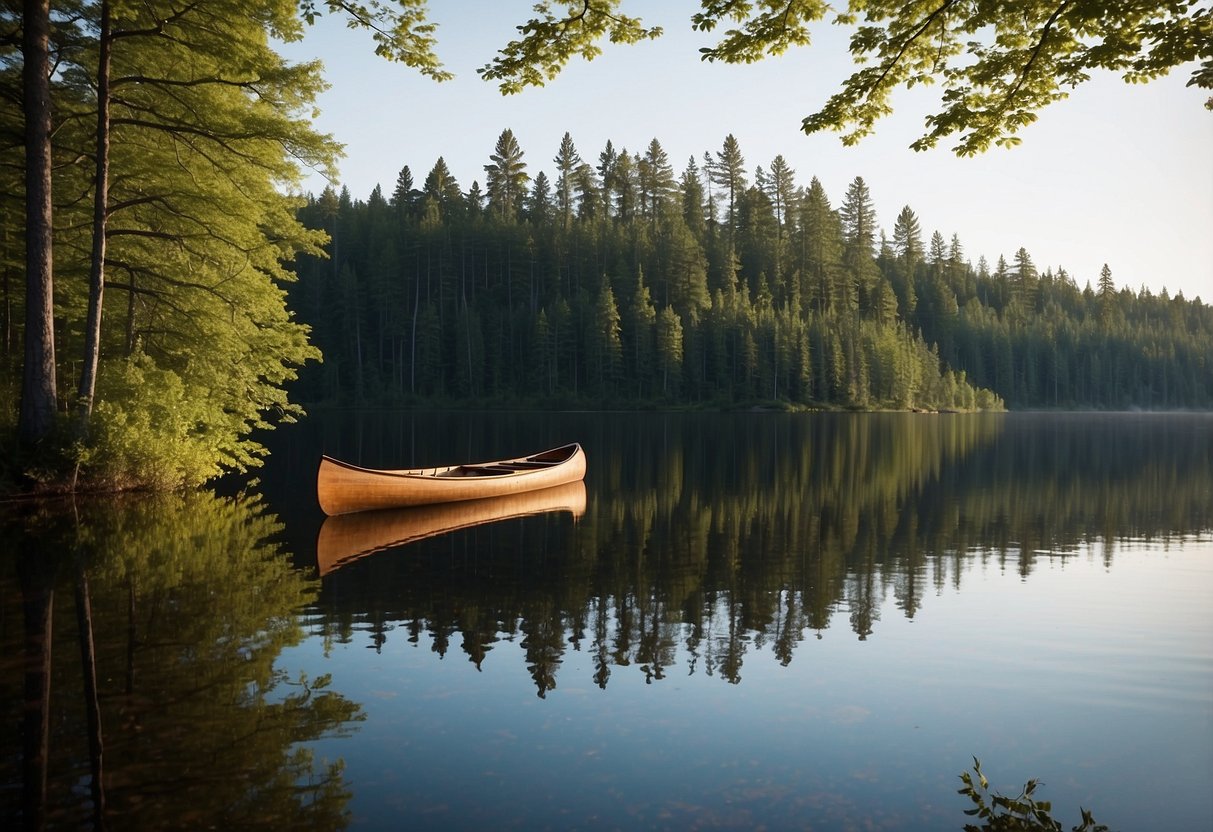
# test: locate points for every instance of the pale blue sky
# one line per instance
(1117, 174)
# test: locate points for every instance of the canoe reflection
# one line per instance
(348, 537)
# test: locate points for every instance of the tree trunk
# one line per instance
(38, 390)
(7, 325)
(96, 275)
(130, 318)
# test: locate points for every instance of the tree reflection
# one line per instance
(182, 608)
(711, 538)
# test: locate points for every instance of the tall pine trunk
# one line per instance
(96, 275)
(38, 387)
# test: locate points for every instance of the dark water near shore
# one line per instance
(744, 620)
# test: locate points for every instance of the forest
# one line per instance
(615, 281)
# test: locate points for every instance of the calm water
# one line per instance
(742, 621)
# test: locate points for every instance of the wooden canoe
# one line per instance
(342, 488)
(350, 537)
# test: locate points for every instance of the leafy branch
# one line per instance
(1022, 813)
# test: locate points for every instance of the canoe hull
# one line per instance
(342, 488)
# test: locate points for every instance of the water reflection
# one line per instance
(139, 671)
(707, 537)
(345, 538)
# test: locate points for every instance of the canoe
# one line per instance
(342, 488)
(350, 537)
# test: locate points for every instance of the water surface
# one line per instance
(745, 620)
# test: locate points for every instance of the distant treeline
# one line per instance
(622, 282)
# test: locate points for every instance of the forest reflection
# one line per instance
(139, 671)
(705, 539)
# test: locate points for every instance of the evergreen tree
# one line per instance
(505, 178)
(567, 163)
(539, 203)
(669, 350)
(441, 189)
(907, 247)
(1025, 279)
(639, 333)
(656, 180)
(859, 238)
(1107, 295)
(693, 206)
(728, 171)
(624, 187)
(607, 160)
(403, 194)
(820, 249)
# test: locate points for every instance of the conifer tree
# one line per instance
(691, 187)
(505, 178)
(859, 237)
(607, 161)
(728, 171)
(820, 249)
(907, 247)
(1107, 295)
(639, 333)
(442, 189)
(567, 162)
(403, 194)
(669, 350)
(656, 177)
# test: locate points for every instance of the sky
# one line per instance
(1118, 174)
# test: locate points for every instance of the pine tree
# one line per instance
(729, 172)
(1107, 295)
(669, 350)
(693, 207)
(639, 333)
(441, 189)
(907, 247)
(567, 162)
(656, 178)
(506, 177)
(820, 249)
(607, 160)
(859, 238)
(403, 194)
(1025, 279)
(539, 202)
(624, 192)
(781, 188)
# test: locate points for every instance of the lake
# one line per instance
(742, 621)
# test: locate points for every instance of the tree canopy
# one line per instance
(997, 64)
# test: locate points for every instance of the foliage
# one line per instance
(998, 64)
(400, 30)
(780, 300)
(208, 129)
(549, 40)
(1022, 813)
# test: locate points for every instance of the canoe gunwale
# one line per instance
(479, 467)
